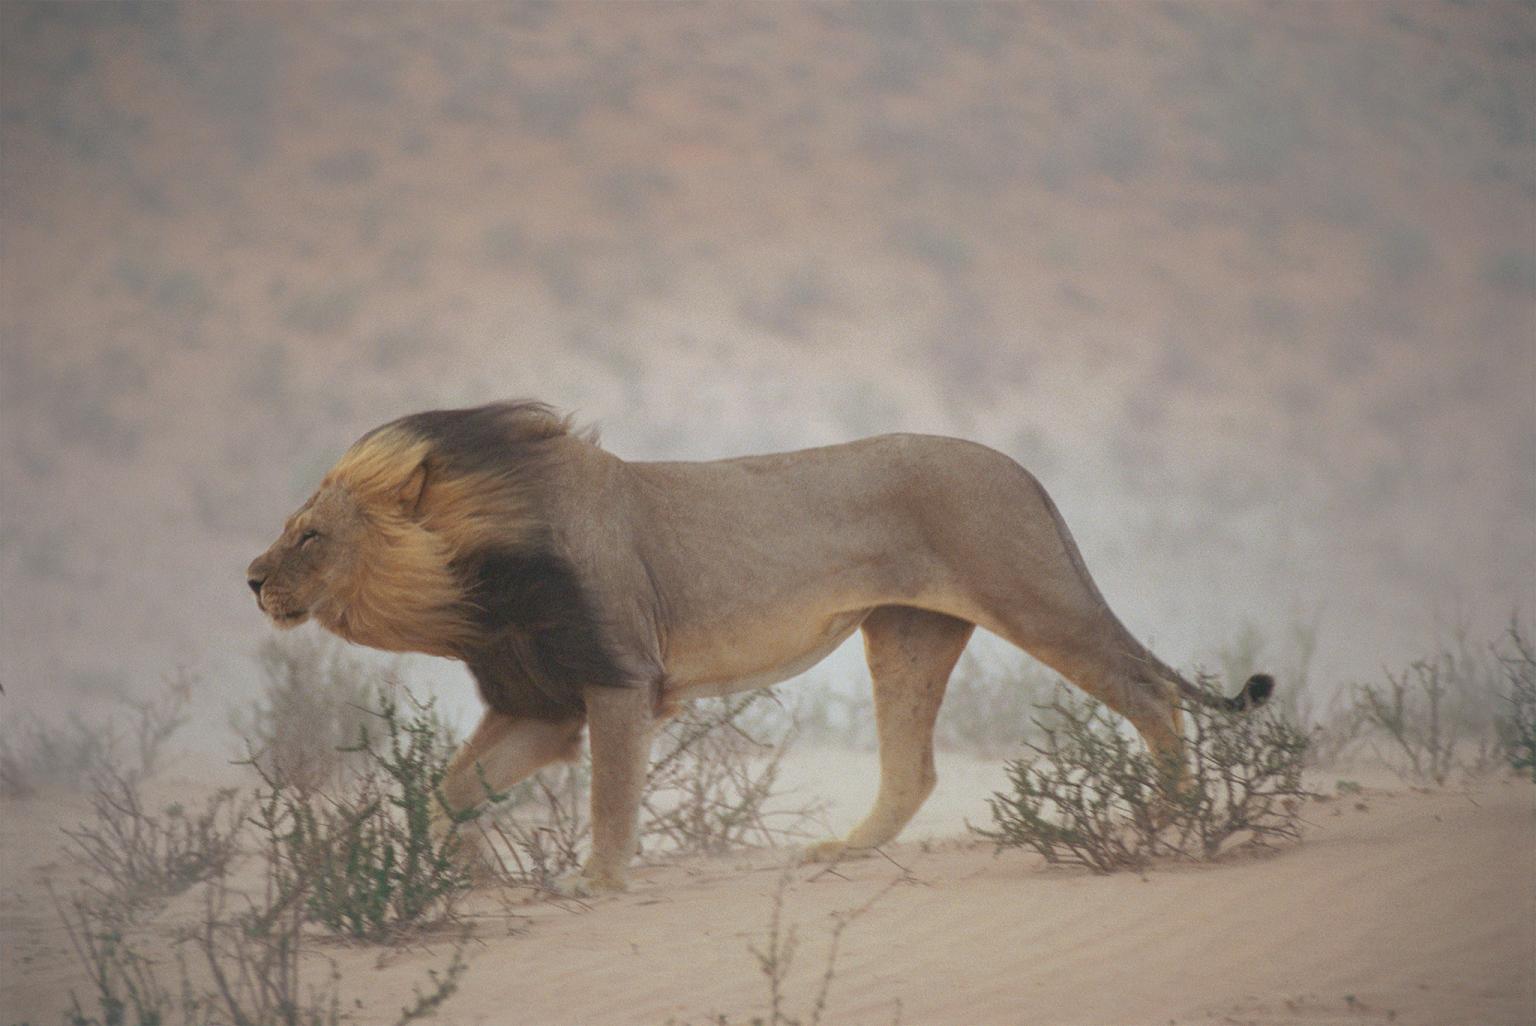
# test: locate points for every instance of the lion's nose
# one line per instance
(256, 583)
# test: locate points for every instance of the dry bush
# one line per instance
(128, 990)
(538, 831)
(1517, 725)
(254, 959)
(1437, 717)
(34, 754)
(243, 966)
(714, 786)
(231, 967)
(362, 863)
(1091, 795)
(315, 700)
(825, 716)
(142, 856)
(131, 742)
(1408, 713)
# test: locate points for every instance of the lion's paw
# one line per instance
(834, 850)
(580, 885)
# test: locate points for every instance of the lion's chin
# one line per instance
(288, 621)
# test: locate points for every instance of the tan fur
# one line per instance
(711, 578)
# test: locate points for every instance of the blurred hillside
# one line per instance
(1251, 288)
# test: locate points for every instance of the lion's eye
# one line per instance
(308, 536)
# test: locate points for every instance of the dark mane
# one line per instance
(485, 438)
(534, 640)
(541, 641)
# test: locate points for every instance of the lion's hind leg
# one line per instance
(911, 653)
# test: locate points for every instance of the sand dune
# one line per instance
(1400, 906)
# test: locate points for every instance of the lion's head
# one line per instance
(383, 552)
(314, 563)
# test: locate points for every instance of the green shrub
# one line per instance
(1089, 794)
(366, 856)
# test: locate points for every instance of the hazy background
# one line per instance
(1252, 289)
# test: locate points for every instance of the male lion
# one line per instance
(585, 591)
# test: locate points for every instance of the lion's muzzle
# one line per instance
(273, 602)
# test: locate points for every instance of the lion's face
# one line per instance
(314, 561)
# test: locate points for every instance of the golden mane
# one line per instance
(451, 503)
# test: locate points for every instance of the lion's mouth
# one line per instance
(288, 619)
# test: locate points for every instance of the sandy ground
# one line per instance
(1400, 906)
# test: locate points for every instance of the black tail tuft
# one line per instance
(1254, 694)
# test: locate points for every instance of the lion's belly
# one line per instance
(756, 657)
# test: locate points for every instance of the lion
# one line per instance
(589, 593)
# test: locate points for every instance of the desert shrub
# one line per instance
(1517, 726)
(35, 754)
(1408, 712)
(314, 702)
(831, 718)
(541, 826)
(141, 856)
(361, 862)
(253, 974)
(128, 990)
(368, 860)
(129, 742)
(1089, 794)
(713, 788)
(245, 966)
(1437, 716)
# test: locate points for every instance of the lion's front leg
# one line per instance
(502, 751)
(620, 724)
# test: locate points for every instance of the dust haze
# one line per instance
(1252, 289)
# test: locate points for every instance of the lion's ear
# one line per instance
(413, 489)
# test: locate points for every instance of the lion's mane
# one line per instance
(466, 566)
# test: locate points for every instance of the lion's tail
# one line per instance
(1254, 693)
